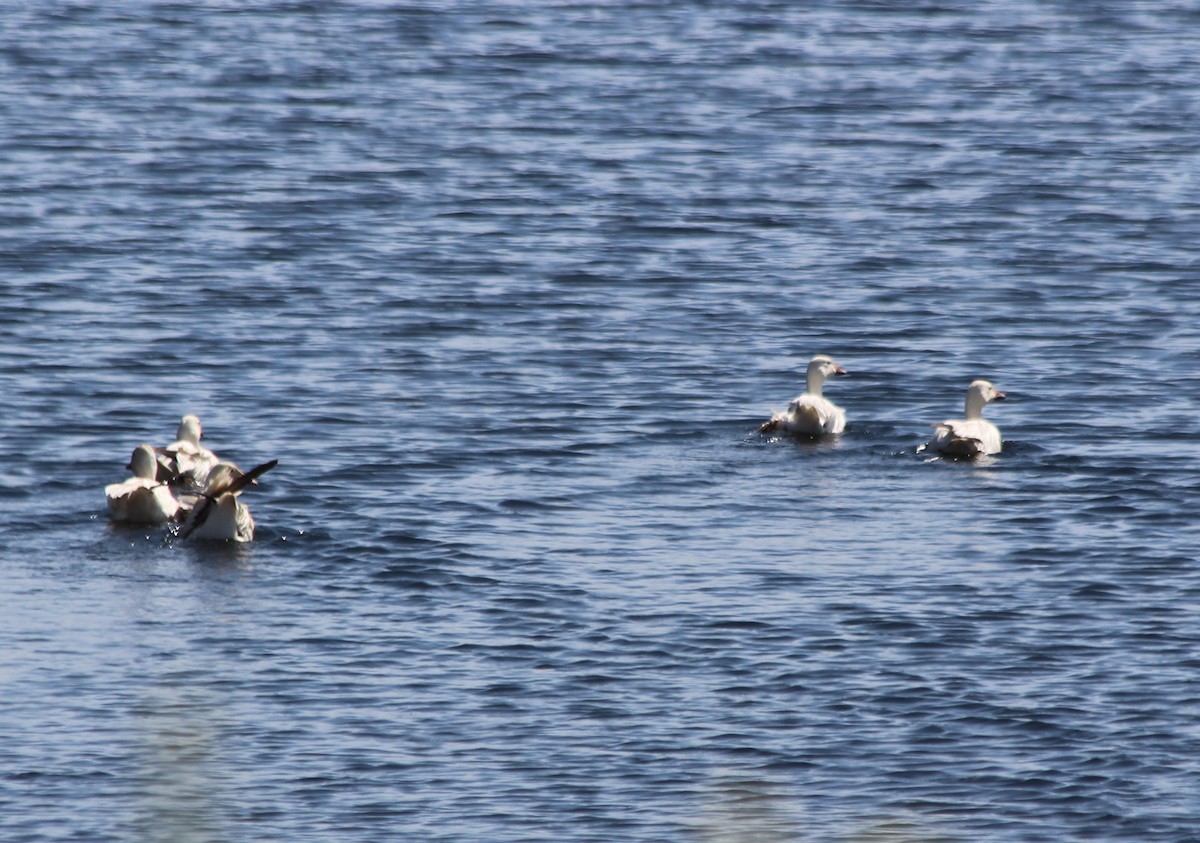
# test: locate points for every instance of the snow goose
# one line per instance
(972, 436)
(811, 413)
(142, 499)
(185, 461)
(218, 514)
(221, 518)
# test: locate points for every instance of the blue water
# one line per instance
(507, 288)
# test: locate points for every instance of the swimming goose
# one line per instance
(142, 499)
(218, 514)
(223, 518)
(811, 413)
(972, 436)
(185, 462)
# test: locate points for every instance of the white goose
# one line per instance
(811, 413)
(218, 514)
(973, 436)
(185, 461)
(142, 499)
(221, 518)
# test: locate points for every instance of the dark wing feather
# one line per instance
(200, 513)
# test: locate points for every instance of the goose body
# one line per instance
(142, 499)
(973, 435)
(218, 514)
(811, 413)
(185, 462)
(221, 518)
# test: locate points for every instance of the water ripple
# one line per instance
(507, 291)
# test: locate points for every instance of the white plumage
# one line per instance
(185, 461)
(972, 436)
(223, 518)
(207, 489)
(218, 514)
(142, 499)
(811, 413)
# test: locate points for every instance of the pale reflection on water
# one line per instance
(745, 809)
(183, 780)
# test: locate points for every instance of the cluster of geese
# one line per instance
(812, 414)
(185, 483)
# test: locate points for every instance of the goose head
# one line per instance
(189, 430)
(143, 463)
(820, 367)
(979, 394)
(221, 477)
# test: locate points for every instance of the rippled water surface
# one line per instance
(507, 289)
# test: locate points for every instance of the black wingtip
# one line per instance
(251, 475)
